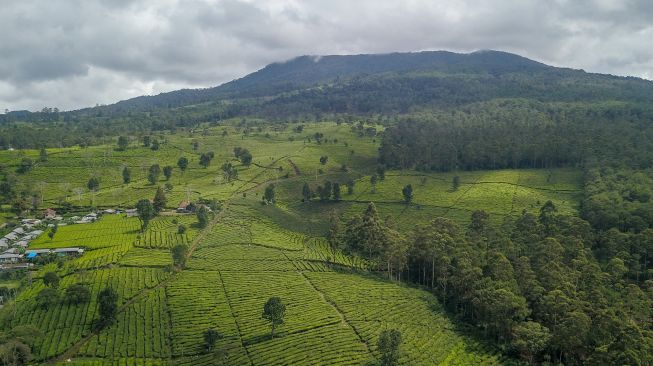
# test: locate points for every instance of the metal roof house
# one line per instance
(10, 258)
(68, 251)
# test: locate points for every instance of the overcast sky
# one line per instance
(78, 53)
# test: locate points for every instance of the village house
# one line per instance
(49, 214)
(183, 206)
(10, 258)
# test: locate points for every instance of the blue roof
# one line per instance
(31, 255)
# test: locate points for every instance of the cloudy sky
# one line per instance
(77, 53)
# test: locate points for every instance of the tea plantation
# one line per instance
(336, 306)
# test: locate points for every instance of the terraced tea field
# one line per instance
(250, 252)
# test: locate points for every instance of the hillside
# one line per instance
(489, 209)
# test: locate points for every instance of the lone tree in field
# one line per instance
(407, 191)
(350, 187)
(324, 159)
(77, 294)
(274, 311)
(47, 297)
(179, 254)
(53, 231)
(146, 212)
(43, 154)
(202, 216)
(268, 196)
(306, 192)
(334, 233)
(388, 344)
(126, 175)
(155, 145)
(107, 301)
(153, 174)
(93, 184)
(210, 337)
(182, 163)
(336, 192)
(160, 200)
(246, 157)
(167, 172)
(146, 140)
(455, 183)
(123, 142)
(51, 279)
(373, 180)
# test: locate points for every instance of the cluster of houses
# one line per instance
(13, 246)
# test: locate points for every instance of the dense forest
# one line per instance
(545, 287)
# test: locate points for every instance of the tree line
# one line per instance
(532, 285)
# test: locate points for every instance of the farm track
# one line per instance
(343, 318)
(233, 316)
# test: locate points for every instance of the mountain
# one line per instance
(317, 87)
(431, 79)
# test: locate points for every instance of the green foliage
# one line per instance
(167, 172)
(202, 214)
(47, 298)
(77, 294)
(146, 212)
(160, 200)
(388, 344)
(274, 311)
(93, 184)
(179, 255)
(123, 142)
(268, 196)
(182, 163)
(210, 337)
(126, 175)
(43, 155)
(26, 164)
(15, 353)
(107, 300)
(153, 174)
(407, 192)
(51, 279)
(455, 183)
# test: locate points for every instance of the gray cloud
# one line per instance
(78, 53)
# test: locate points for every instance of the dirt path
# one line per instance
(343, 317)
(295, 167)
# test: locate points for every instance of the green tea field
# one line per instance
(249, 252)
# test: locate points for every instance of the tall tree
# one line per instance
(182, 163)
(107, 300)
(93, 184)
(334, 234)
(211, 336)
(268, 196)
(160, 200)
(126, 174)
(306, 192)
(123, 142)
(274, 311)
(407, 192)
(167, 172)
(179, 255)
(202, 216)
(146, 212)
(43, 155)
(153, 174)
(389, 344)
(336, 192)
